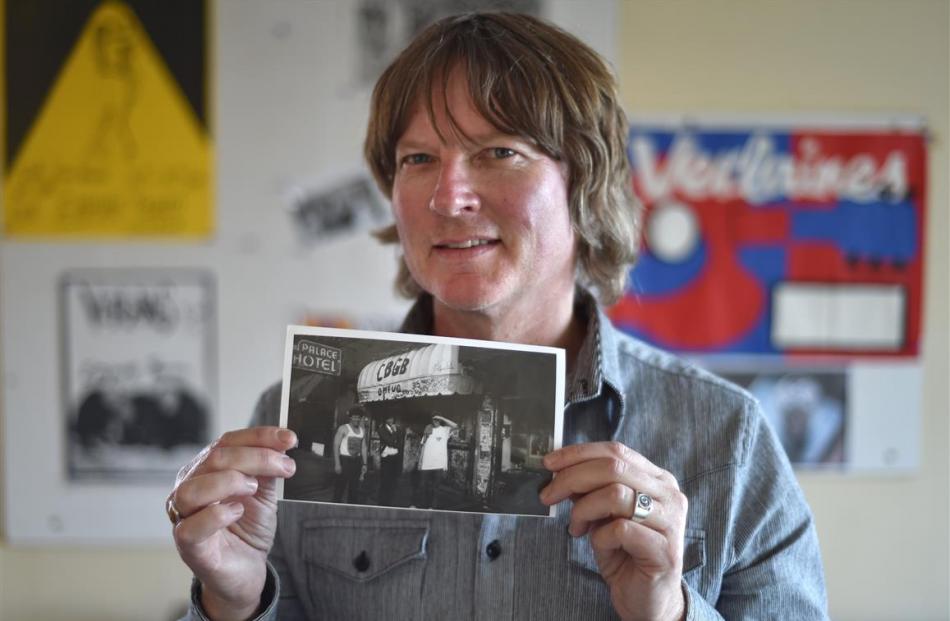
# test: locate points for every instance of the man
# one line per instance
(500, 141)
(349, 456)
(390, 460)
(434, 459)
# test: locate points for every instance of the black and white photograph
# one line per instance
(344, 206)
(420, 422)
(806, 407)
(138, 369)
(384, 27)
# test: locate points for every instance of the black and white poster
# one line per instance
(806, 407)
(418, 422)
(385, 27)
(138, 371)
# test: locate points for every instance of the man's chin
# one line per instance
(467, 298)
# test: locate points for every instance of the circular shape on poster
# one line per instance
(672, 232)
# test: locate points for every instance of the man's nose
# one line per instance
(455, 192)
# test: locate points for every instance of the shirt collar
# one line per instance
(597, 362)
(419, 320)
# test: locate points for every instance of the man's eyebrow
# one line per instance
(478, 139)
(411, 145)
(493, 136)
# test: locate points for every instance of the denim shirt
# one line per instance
(750, 551)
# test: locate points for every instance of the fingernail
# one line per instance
(545, 494)
(236, 508)
(290, 466)
(251, 484)
(287, 437)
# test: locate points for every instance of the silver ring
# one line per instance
(642, 507)
(172, 511)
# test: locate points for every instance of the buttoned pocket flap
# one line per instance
(362, 550)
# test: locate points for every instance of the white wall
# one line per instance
(884, 540)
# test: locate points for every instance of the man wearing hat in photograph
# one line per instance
(500, 141)
(434, 458)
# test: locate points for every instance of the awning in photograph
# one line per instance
(430, 371)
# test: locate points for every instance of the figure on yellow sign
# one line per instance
(114, 52)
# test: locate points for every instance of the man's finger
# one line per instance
(276, 438)
(614, 501)
(587, 476)
(574, 454)
(214, 487)
(652, 551)
(251, 460)
(196, 528)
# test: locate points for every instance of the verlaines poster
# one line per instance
(788, 257)
(791, 240)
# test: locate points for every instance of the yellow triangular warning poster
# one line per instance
(116, 150)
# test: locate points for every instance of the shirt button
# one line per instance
(493, 550)
(361, 562)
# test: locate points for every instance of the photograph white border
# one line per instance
(294, 331)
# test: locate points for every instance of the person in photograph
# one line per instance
(501, 143)
(102, 415)
(434, 459)
(349, 456)
(391, 441)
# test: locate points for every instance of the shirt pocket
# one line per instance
(694, 551)
(365, 565)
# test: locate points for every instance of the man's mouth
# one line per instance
(468, 243)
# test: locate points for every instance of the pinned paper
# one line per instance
(116, 149)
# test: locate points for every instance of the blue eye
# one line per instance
(502, 152)
(417, 158)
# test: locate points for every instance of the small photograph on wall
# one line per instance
(138, 371)
(419, 422)
(343, 206)
(807, 408)
(385, 27)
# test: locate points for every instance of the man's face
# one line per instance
(484, 224)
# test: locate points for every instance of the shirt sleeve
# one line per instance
(776, 564)
(268, 605)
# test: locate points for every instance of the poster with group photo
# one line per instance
(138, 371)
(420, 422)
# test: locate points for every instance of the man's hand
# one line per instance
(641, 561)
(227, 499)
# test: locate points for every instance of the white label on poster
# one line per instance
(838, 316)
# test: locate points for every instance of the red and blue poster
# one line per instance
(778, 239)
